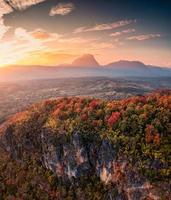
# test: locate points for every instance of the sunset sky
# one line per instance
(52, 32)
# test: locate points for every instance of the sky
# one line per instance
(54, 32)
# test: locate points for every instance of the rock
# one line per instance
(71, 157)
(68, 160)
(106, 157)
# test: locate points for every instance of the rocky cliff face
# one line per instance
(70, 159)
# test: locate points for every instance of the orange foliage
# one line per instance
(149, 135)
(113, 118)
(156, 139)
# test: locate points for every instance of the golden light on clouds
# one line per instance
(40, 35)
(107, 40)
(46, 58)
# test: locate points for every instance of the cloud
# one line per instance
(107, 26)
(62, 9)
(128, 31)
(100, 46)
(144, 37)
(23, 4)
(77, 40)
(3, 28)
(22, 43)
(48, 57)
(22, 34)
(25, 47)
(8, 6)
(14, 50)
(4, 9)
(115, 34)
(38, 35)
(32, 47)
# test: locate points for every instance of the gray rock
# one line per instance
(71, 157)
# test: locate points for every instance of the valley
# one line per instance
(18, 95)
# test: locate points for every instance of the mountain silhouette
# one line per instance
(84, 66)
(127, 64)
(86, 60)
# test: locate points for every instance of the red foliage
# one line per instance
(84, 117)
(113, 118)
(61, 105)
(78, 110)
(143, 99)
(93, 104)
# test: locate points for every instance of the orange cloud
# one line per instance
(38, 35)
(41, 35)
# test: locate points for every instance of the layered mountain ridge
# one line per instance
(84, 66)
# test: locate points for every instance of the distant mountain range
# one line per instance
(136, 68)
(84, 66)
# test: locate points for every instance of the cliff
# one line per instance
(94, 149)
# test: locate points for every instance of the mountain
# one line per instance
(85, 66)
(125, 64)
(86, 60)
(136, 68)
(81, 148)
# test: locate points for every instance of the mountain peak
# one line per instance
(86, 60)
(126, 64)
(130, 61)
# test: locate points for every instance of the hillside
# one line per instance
(24, 93)
(83, 148)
